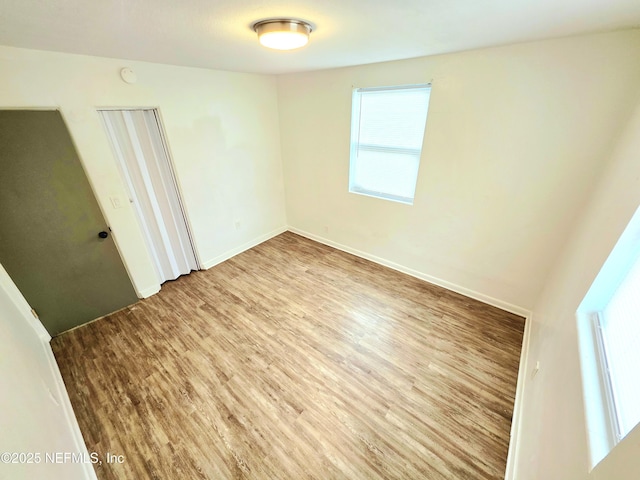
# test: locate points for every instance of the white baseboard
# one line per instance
(246, 246)
(414, 273)
(516, 420)
(148, 292)
(69, 415)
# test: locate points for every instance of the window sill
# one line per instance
(382, 196)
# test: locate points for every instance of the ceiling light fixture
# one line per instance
(283, 34)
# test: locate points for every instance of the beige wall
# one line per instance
(35, 413)
(222, 130)
(515, 138)
(526, 146)
(553, 442)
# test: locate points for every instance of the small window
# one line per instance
(619, 329)
(387, 130)
(609, 338)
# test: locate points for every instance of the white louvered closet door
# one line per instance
(141, 152)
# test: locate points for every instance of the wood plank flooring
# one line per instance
(296, 361)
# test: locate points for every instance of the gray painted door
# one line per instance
(50, 224)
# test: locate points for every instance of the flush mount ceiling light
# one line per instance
(283, 34)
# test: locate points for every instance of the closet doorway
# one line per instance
(140, 148)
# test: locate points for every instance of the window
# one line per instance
(619, 331)
(609, 338)
(387, 130)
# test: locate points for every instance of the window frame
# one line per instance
(604, 430)
(355, 145)
(606, 384)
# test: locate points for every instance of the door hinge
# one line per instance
(33, 312)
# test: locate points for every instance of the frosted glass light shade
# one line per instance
(283, 34)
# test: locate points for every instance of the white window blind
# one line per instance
(387, 132)
(620, 328)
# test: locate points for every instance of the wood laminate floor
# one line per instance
(296, 361)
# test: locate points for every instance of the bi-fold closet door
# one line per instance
(141, 151)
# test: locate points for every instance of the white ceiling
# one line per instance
(217, 33)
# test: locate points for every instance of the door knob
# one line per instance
(103, 234)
